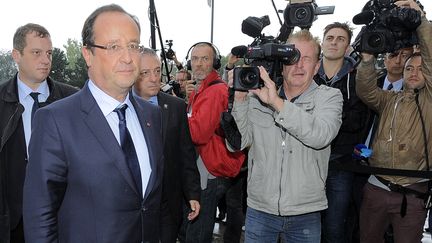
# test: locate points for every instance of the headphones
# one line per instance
(216, 55)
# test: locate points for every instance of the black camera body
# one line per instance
(302, 13)
(388, 28)
(272, 55)
(265, 51)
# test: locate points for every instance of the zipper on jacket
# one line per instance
(283, 144)
(7, 132)
(393, 118)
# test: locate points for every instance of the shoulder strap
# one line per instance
(217, 81)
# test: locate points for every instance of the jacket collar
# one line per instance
(210, 77)
(11, 92)
(347, 67)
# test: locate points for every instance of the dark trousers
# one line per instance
(339, 187)
(234, 207)
(17, 234)
(168, 229)
(201, 229)
(380, 208)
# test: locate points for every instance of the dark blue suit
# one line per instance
(78, 186)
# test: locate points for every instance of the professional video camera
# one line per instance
(264, 51)
(269, 52)
(388, 28)
(302, 13)
(169, 52)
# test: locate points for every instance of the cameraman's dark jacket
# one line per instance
(399, 141)
(355, 114)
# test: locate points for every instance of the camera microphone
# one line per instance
(364, 17)
(239, 51)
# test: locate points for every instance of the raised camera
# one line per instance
(246, 78)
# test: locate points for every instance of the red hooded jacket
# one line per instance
(207, 104)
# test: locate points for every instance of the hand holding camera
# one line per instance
(190, 86)
(263, 86)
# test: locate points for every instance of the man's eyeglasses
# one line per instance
(114, 49)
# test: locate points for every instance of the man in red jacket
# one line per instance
(215, 163)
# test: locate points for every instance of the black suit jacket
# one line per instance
(181, 176)
(13, 151)
(78, 187)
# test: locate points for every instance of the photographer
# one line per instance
(288, 132)
(401, 142)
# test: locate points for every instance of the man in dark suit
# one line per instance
(32, 52)
(181, 176)
(95, 166)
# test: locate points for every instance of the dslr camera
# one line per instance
(388, 28)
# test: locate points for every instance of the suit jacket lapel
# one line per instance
(98, 125)
(145, 119)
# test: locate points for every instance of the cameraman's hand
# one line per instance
(239, 96)
(268, 93)
(190, 86)
(409, 4)
(232, 60)
(366, 57)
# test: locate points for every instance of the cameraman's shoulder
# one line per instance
(325, 92)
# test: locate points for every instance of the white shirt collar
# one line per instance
(25, 90)
(106, 103)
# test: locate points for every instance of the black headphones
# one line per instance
(216, 55)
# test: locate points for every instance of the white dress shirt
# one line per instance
(107, 104)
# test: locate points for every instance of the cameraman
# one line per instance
(288, 132)
(402, 141)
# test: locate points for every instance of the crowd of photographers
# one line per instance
(322, 143)
(372, 108)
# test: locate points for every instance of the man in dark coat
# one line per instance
(33, 54)
(181, 177)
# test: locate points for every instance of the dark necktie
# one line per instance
(390, 87)
(34, 95)
(128, 147)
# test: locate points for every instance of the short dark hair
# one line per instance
(87, 33)
(19, 39)
(345, 26)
